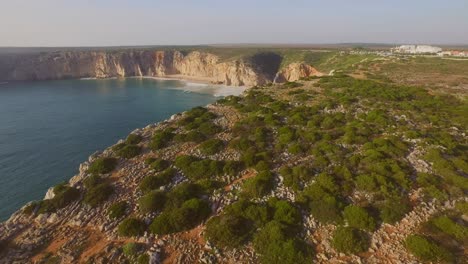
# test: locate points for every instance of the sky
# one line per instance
(194, 22)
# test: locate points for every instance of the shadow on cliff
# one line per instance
(267, 63)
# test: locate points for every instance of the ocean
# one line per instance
(47, 128)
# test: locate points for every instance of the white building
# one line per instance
(416, 49)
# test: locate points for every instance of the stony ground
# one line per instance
(81, 234)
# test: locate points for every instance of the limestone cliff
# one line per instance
(295, 71)
(125, 63)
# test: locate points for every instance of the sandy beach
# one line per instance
(201, 85)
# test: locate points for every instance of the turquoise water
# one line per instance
(48, 128)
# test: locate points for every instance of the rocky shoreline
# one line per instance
(79, 233)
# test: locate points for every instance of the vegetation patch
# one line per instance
(131, 227)
(102, 165)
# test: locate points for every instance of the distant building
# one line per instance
(417, 49)
(454, 53)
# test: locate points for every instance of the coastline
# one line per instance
(217, 90)
(191, 84)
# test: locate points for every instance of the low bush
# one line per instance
(131, 227)
(181, 193)
(450, 227)
(295, 177)
(211, 146)
(130, 249)
(259, 185)
(153, 182)
(161, 139)
(98, 194)
(228, 231)
(350, 240)
(143, 259)
(189, 215)
(393, 210)
(92, 181)
(133, 139)
(275, 243)
(102, 166)
(117, 210)
(159, 164)
(64, 195)
(426, 249)
(152, 202)
(327, 210)
(358, 217)
(129, 151)
(257, 214)
(285, 212)
(196, 169)
(232, 167)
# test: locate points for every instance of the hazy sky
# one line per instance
(145, 22)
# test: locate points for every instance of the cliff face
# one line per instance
(295, 71)
(103, 64)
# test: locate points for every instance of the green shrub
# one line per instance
(427, 250)
(450, 227)
(102, 166)
(209, 129)
(324, 206)
(327, 210)
(285, 212)
(153, 182)
(130, 249)
(143, 259)
(259, 185)
(131, 227)
(211, 146)
(350, 240)
(275, 243)
(159, 164)
(393, 210)
(262, 166)
(358, 217)
(133, 139)
(257, 214)
(129, 151)
(295, 177)
(196, 169)
(191, 213)
(150, 160)
(161, 139)
(232, 167)
(228, 231)
(92, 181)
(152, 202)
(98, 194)
(30, 208)
(181, 193)
(64, 195)
(117, 210)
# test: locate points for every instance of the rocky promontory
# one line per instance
(326, 170)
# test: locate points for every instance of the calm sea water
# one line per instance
(48, 128)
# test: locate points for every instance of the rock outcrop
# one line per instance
(295, 71)
(127, 63)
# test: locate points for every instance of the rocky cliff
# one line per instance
(256, 70)
(294, 72)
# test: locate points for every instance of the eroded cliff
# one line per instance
(255, 70)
